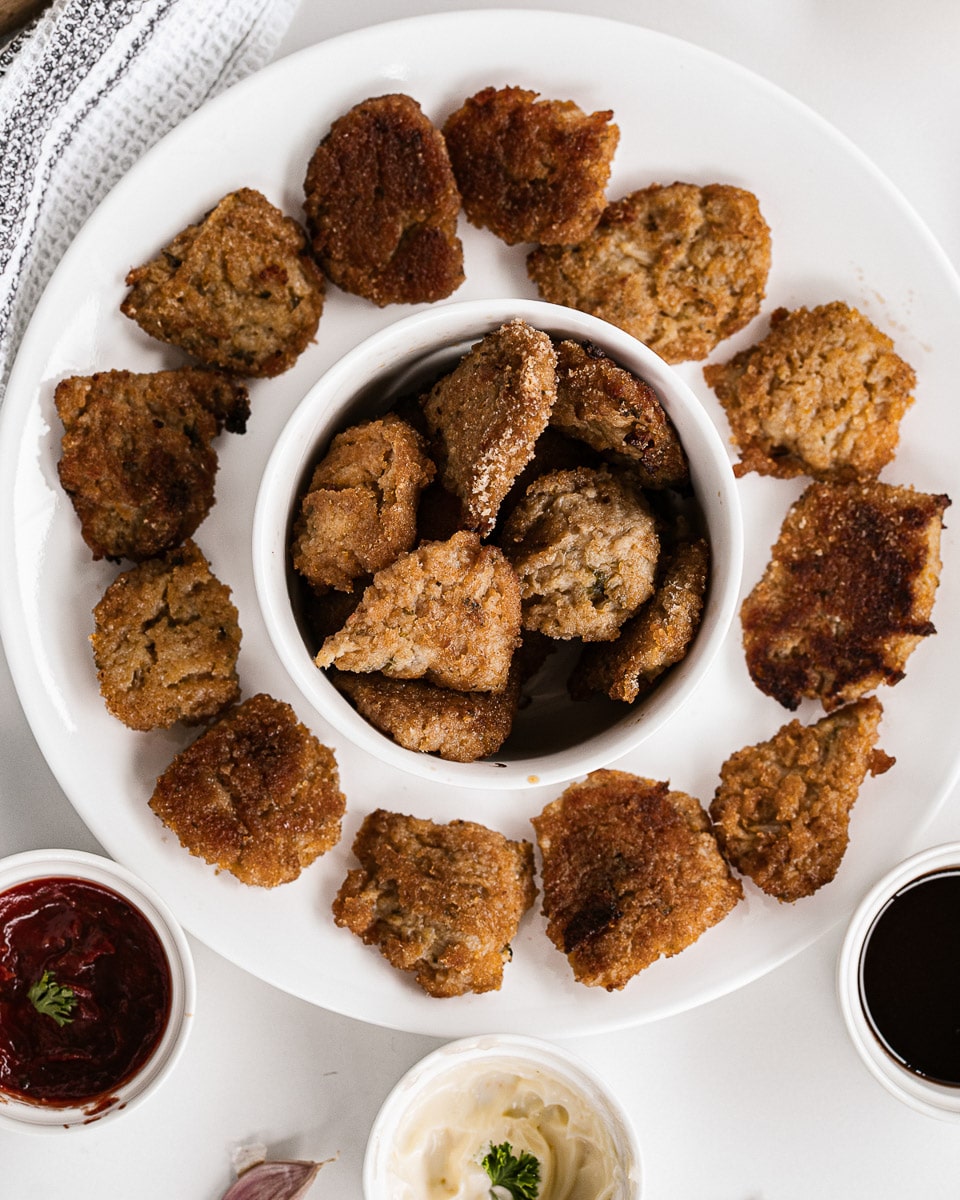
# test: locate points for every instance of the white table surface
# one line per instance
(756, 1096)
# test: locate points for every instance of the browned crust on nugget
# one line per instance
(782, 811)
(442, 902)
(136, 457)
(447, 612)
(165, 642)
(821, 395)
(237, 290)
(256, 795)
(618, 414)
(487, 414)
(680, 267)
(531, 170)
(360, 509)
(848, 592)
(631, 872)
(658, 637)
(382, 204)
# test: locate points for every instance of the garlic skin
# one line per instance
(274, 1181)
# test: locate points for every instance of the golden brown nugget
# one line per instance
(382, 204)
(657, 637)
(237, 290)
(617, 414)
(447, 612)
(631, 872)
(821, 395)
(680, 267)
(487, 414)
(848, 593)
(584, 545)
(782, 811)
(165, 642)
(531, 170)
(137, 459)
(443, 902)
(360, 509)
(256, 794)
(456, 726)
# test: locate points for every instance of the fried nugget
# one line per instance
(382, 204)
(584, 545)
(237, 290)
(618, 414)
(782, 811)
(848, 593)
(137, 459)
(165, 642)
(440, 901)
(447, 612)
(531, 170)
(657, 637)
(821, 395)
(631, 872)
(680, 267)
(360, 509)
(487, 414)
(456, 726)
(256, 794)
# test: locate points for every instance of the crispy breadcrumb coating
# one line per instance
(440, 901)
(531, 170)
(447, 612)
(256, 795)
(680, 267)
(382, 204)
(237, 290)
(165, 642)
(848, 593)
(631, 872)
(782, 811)
(821, 395)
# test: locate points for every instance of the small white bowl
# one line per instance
(554, 739)
(42, 1117)
(466, 1067)
(920, 1093)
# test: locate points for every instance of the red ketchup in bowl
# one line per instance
(85, 991)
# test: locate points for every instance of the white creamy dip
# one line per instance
(439, 1143)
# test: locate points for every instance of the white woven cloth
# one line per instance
(84, 91)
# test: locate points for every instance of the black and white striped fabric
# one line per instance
(85, 89)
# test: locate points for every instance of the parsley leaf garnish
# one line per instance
(49, 998)
(519, 1175)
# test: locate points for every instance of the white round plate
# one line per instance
(840, 231)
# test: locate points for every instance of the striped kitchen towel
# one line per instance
(85, 89)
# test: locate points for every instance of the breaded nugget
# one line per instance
(782, 811)
(821, 395)
(165, 642)
(440, 901)
(848, 592)
(618, 414)
(531, 170)
(382, 204)
(238, 290)
(456, 726)
(487, 414)
(680, 267)
(256, 794)
(360, 509)
(584, 545)
(137, 460)
(631, 872)
(447, 612)
(657, 637)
